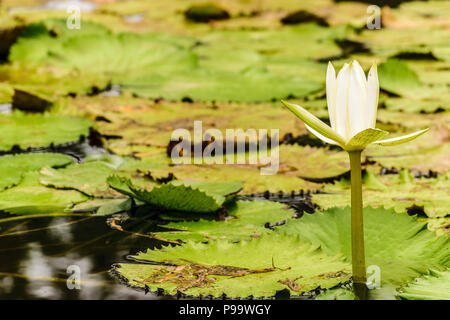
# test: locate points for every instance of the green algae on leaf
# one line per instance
(398, 244)
(40, 130)
(272, 263)
(179, 195)
(433, 286)
(246, 220)
(13, 167)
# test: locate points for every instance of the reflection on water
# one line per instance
(36, 252)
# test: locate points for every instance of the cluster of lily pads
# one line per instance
(129, 85)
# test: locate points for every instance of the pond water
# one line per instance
(35, 253)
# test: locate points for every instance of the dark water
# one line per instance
(36, 252)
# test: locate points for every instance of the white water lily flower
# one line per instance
(352, 106)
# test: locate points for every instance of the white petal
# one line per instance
(321, 137)
(331, 94)
(357, 99)
(373, 90)
(342, 124)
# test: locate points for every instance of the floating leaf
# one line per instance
(337, 294)
(401, 192)
(250, 175)
(430, 287)
(179, 196)
(398, 244)
(13, 167)
(28, 197)
(88, 178)
(250, 85)
(246, 220)
(395, 76)
(218, 268)
(40, 130)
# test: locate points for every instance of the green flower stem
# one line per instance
(358, 259)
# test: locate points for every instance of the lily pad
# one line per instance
(13, 167)
(40, 130)
(178, 195)
(218, 268)
(313, 163)
(29, 197)
(252, 84)
(246, 220)
(250, 175)
(88, 178)
(401, 192)
(433, 286)
(398, 244)
(337, 294)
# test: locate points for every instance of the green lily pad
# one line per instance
(247, 219)
(218, 268)
(401, 192)
(29, 197)
(252, 84)
(396, 77)
(139, 123)
(430, 287)
(88, 178)
(102, 206)
(250, 175)
(157, 65)
(13, 167)
(313, 163)
(398, 244)
(337, 294)
(40, 130)
(178, 195)
(424, 159)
